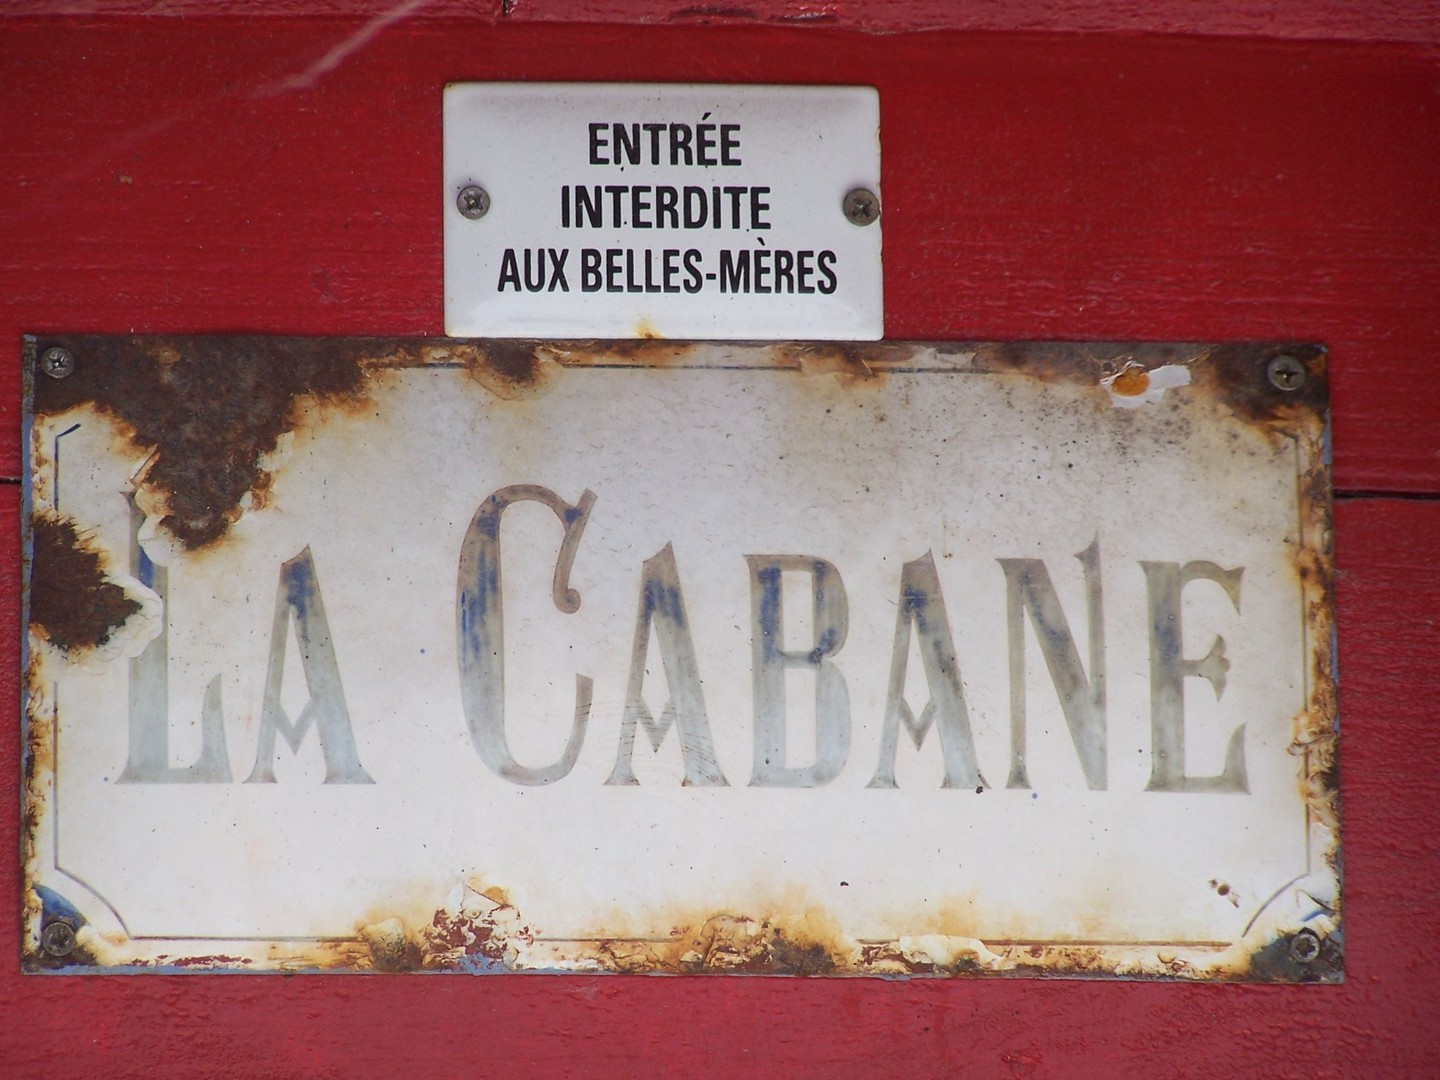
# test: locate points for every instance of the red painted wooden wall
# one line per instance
(1121, 172)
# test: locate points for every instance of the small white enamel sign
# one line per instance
(579, 210)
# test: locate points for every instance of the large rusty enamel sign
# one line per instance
(842, 659)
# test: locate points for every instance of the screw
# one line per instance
(57, 362)
(58, 938)
(1304, 947)
(473, 201)
(1286, 373)
(861, 206)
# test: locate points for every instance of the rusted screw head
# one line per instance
(473, 202)
(1286, 373)
(57, 362)
(58, 938)
(861, 206)
(1305, 947)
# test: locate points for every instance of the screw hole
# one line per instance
(861, 207)
(1305, 947)
(473, 202)
(57, 362)
(1286, 373)
(58, 938)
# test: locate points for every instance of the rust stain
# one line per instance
(36, 752)
(73, 603)
(1054, 361)
(846, 361)
(516, 362)
(1133, 381)
(216, 960)
(485, 935)
(855, 361)
(391, 948)
(1315, 728)
(1085, 363)
(725, 943)
(494, 938)
(209, 408)
(639, 352)
(1237, 376)
(508, 369)
(482, 932)
(476, 930)
(39, 753)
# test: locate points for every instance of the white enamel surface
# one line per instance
(722, 464)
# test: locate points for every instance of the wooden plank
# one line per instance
(1396, 20)
(212, 175)
(1380, 1023)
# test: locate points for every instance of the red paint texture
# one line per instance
(178, 175)
(1345, 20)
(219, 174)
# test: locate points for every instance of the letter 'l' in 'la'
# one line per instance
(149, 757)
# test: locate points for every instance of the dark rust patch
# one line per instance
(516, 362)
(73, 604)
(789, 957)
(394, 954)
(210, 407)
(724, 944)
(1285, 961)
(1238, 377)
